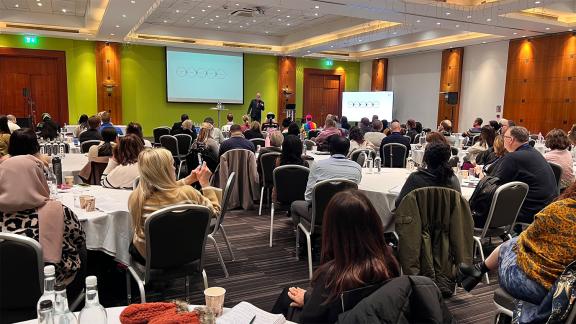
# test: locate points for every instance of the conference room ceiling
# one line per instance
(352, 29)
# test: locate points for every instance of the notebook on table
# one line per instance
(244, 312)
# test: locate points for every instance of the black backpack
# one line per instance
(482, 197)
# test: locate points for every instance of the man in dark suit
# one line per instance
(395, 137)
(177, 127)
(255, 109)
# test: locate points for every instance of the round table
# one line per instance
(72, 164)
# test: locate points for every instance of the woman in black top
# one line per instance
(354, 255)
(437, 172)
(344, 123)
(254, 131)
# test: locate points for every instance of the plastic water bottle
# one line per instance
(49, 281)
(370, 164)
(57, 166)
(378, 163)
(62, 314)
(48, 148)
(93, 312)
(46, 312)
(52, 183)
(362, 154)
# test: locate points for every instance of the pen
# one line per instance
(253, 318)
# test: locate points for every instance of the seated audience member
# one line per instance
(337, 166)
(436, 137)
(158, 189)
(486, 141)
(328, 131)
(523, 163)
(572, 135)
(23, 141)
(495, 125)
(385, 126)
(309, 124)
(375, 136)
(337, 121)
(344, 123)
(216, 132)
(14, 126)
(374, 118)
(270, 124)
(106, 147)
(206, 142)
(528, 265)
(229, 122)
(354, 254)
(106, 122)
(445, 127)
(411, 129)
(236, 141)
(136, 129)
(419, 128)
(558, 143)
(189, 129)
(284, 126)
(245, 123)
(254, 131)
(93, 132)
(395, 137)
(293, 129)
(177, 127)
(435, 173)
(488, 161)
(82, 126)
(49, 129)
(476, 128)
(276, 139)
(291, 152)
(122, 168)
(26, 209)
(4, 135)
(365, 125)
(357, 141)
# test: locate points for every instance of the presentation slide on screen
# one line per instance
(356, 105)
(204, 76)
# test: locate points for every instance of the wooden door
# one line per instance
(323, 93)
(12, 100)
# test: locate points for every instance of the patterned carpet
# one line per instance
(259, 272)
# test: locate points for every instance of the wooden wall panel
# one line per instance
(286, 81)
(450, 81)
(541, 83)
(379, 74)
(108, 80)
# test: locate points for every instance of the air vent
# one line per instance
(167, 39)
(335, 53)
(248, 12)
(52, 29)
(235, 45)
(330, 2)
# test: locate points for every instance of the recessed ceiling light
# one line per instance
(438, 23)
(418, 20)
(192, 17)
(287, 16)
(218, 27)
(316, 7)
(253, 20)
(217, 16)
(457, 26)
(241, 26)
(64, 10)
(307, 51)
(547, 28)
(229, 21)
(447, 14)
(207, 24)
(279, 19)
(515, 33)
(203, 10)
(39, 4)
(523, 35)
(112, 34)
(117, 26)
(331, 46)
(468, 17)
(133, 1)
(188, 20)
(536, 2)
(123, 15)
(570, 29)
(488, 19)
(177, 11)
(394, 33)
(209, 6)
(211, 19)
(237, 4)
(278, 10)
(16, 5)
(483, 42)
(288, 24)
(359, 40)
(165, 21)
(267, 32)
(316, 14)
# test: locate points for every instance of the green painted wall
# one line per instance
(352, 70)
(80, 69)
(144, 88)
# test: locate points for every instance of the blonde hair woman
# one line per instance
(245, 123)
(158, 188)
(205, 140)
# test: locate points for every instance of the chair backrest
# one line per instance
(557, 173)
(176, 236)
(416, 139)
(184, 142)
(225, 199)
(309, 144)
(170, 143)
(454, 151)
(504, 209)
(394, 155)
(21, 273)
(290, 182)
(85, 146)
(159, 131)
(258, 141)
(323, 191)
(267, 165)
(357, 153)
(96, 171)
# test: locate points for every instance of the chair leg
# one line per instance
(205, 278)
(187, 284)
(297, 242)
(477, 241)
(271, 222)
(180, 169)
(227, 242)
(261, 200)
(140, 284)
(309, 246)
(219, 255)
(128, 288)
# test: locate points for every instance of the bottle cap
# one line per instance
(60, 287)
(91, 281)
(45, 304)
(49, 270)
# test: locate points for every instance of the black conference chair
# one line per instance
(96, 172)
(159, 132)
(394, 155)
(175, 244)
(170, 143)
(357, 156)
(258, 141)
(21, 277)
(557, 169)
(290, 183)
(85, 146)
(218, 224)
(322, 192)
(267, 165)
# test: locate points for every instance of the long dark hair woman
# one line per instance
(436, 173)
(291, 152)
(354, 255)
(109, 136)
(82, 125)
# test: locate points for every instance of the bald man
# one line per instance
(395, 137)
(256, 107)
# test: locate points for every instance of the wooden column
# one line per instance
(108, 80)
(286, 85)
(379, 74)
(450, 85)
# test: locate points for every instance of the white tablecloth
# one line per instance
(72, 164)
(109, 228)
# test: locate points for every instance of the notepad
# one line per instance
(244, 312)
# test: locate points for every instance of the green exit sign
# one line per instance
(32, 40)
(328, 62)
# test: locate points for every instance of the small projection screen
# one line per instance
(356, 105)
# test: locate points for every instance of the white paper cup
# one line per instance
(215, 299)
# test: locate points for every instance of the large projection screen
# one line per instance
(356, 105)
(204, 76)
